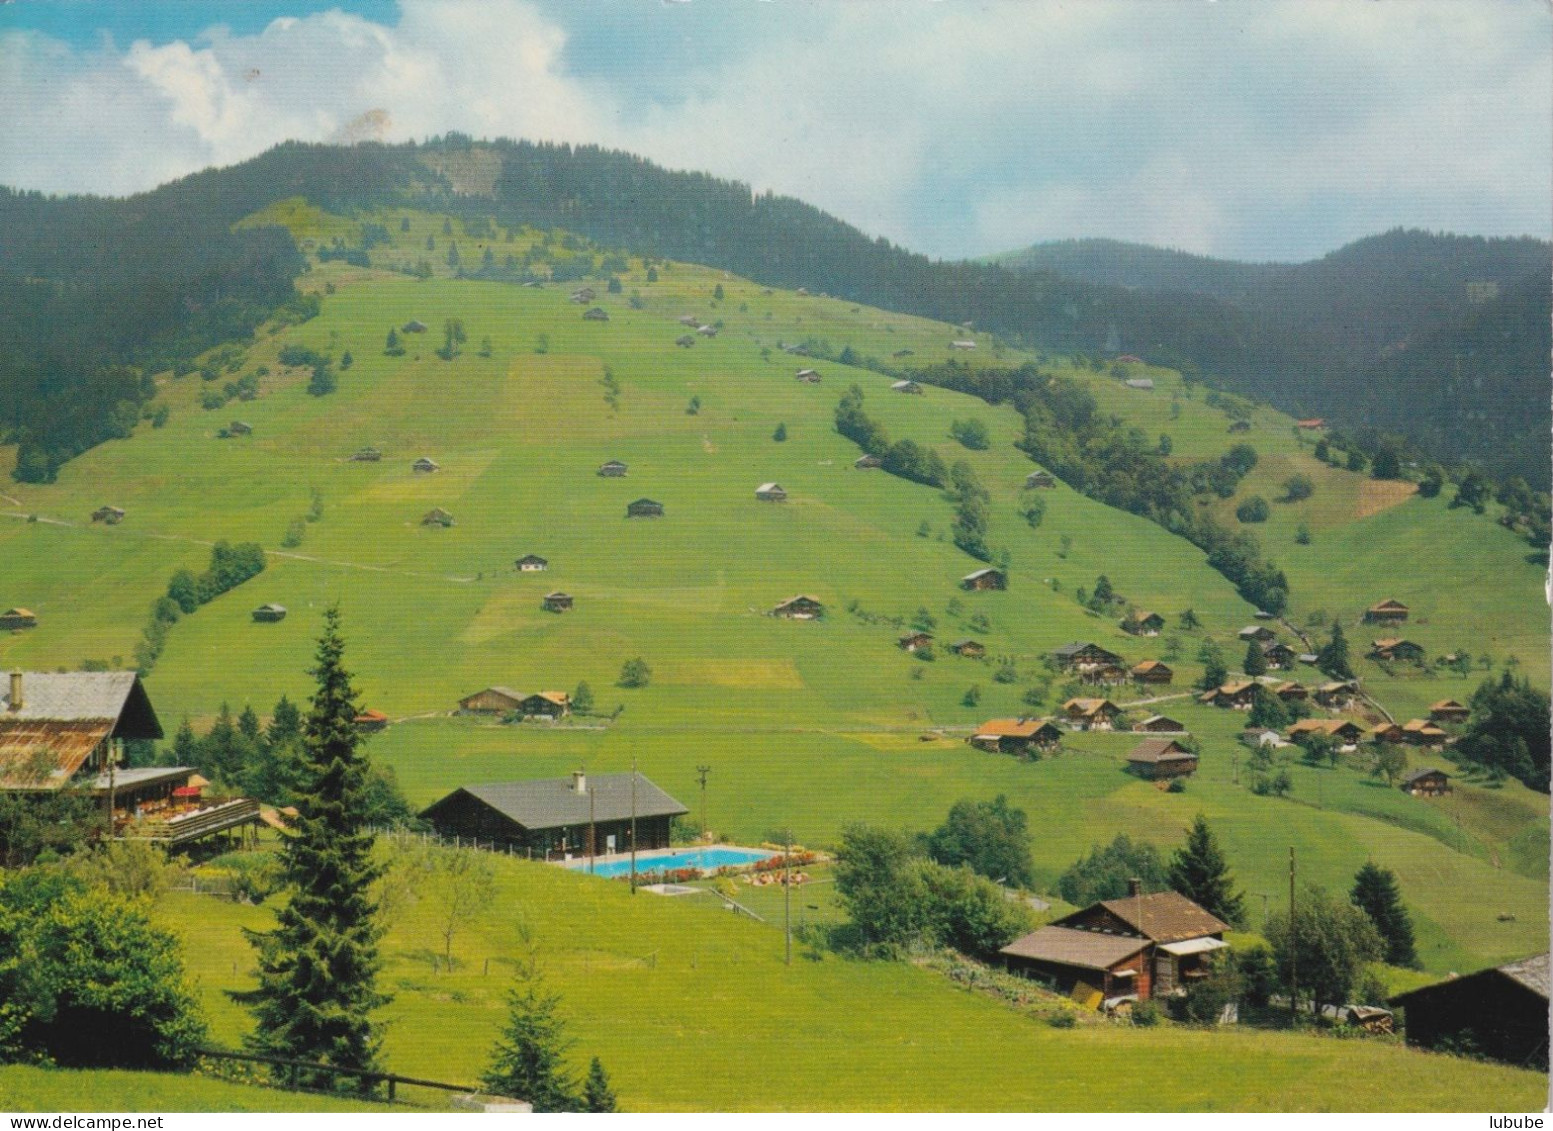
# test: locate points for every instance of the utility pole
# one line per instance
(787, 892)
(1294, 948)
(706, 825)
(633, 824)
(592, 829)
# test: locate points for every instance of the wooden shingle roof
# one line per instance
(1165, 916)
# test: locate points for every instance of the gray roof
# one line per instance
(142, 775)
(1155, 750)
(70, 697)
(551, 802)
(1415, 775)
(1529, 972)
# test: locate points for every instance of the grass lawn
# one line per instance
(26, 1089)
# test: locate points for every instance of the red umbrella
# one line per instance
(187, 791)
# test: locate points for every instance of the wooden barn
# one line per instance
(425, 464)
(1040, 479)
(270, 613)
(1279, 656)
(612, 469)
(1131, 949)
(1090, 714)
(560, 818)
(557, 602)
(532, 563)
(1346, 733)
(808, 376)
(1291, 692)
(1237, 695)
(18, 618)
(1422, 732)
(1394, 648)
(985, 579)
(771, 493)
(1017, 736)
(1500, 1013)
(1258, 632)
(644, 508)
(1143, 623)
(1385, 732)
(1159, 724)
(1386, 612)
(1428, 782)
(1152, 671)
(1084, 657)
(1449, 711)
(112, 516)
(1337, 694)
(1160, 758)
(913, 641)
(491, 701)
(800, 607)
(970, 649)
(545, 705)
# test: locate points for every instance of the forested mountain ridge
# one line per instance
(1406, 331)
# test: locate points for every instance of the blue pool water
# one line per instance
(707, 859)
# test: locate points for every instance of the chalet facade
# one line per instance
(545, 705)
(985, 579)
(1237, 695)
(556, 602)
(800, 608)
(771, 493)
(1160, 758)
(111, 516)
(560, 818)
(915, 641)
(1042, 479)
(1449, 711)
(17, 619)
(1143, 623)
(970, 649)
(1279, 656)
(1090, 714)
(612, 469)
(644, 508)
(1017, 736)
(491, 701)
(1152, 671)
(1426, 783)
(1392, 648)
(1118, 950)
(1422, 732)
(532, 563)
(1336, 694)
(1084, 657)
(1387, 612)
(1159, 724)
(1503, 1010)
(270, 614)
(1346, 733)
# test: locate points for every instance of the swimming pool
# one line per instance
(707, 859)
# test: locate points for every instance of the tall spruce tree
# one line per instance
(1199, 871)
(1375, 892)
(318, 968)
(1333, 658)
(1255, 663)
(597, 1095)
(528, 1061)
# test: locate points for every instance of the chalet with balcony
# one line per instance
(1084, 657)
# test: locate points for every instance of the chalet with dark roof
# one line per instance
(560, 818)
(1258, 632)
(1386, 612)
(800, 607)
(612, 469)
(1426, 782)
(1394, 648)
(1279, 656)
(1083, 657)
(413, 327)
(596, 314)
(1504, 1011)
(644, 508)
(425, 465)
(984, 579)
(545, 705)
(1160, 758)
(239, 428)
(532, 563)
(1291, 692)
(1159, 724)
(1131, 949)
(111, 516)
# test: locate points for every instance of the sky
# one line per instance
(1247, 129)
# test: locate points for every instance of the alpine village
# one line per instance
(471, 643)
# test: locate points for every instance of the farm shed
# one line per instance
(596, 314)
(413, 327)
(962, 344)
(644, 508)
(612, 469)
(582, 296)
(906, 387)
(915, 640)
(1503, 1011)
(799, 608)
(491, 701)
(970, 649)
(1386, 612)
(18, 618)
(808, 376)
(985, 579)
(1135, 948)
(1258, 632)
(1157, 758)
(270, 614)
(1145, 384)
(771, 493)
(239, 428)
(557, 602)
(559, 818)
(532, 563)
(865, 463)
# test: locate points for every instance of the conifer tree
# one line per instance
(1375, 892)
(1255, 663)
(527, 1063)
(597, 1095)
(1333, 659)
(1199, 872)
(318, 968)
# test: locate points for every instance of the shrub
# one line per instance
(1254, 509)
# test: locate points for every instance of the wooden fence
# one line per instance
(296, 1067)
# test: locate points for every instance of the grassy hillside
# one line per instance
(27, 1089)
(807, 725)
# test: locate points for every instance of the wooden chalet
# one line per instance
(1017, 736)
(1160, 758)
(532, 563)
(491, 701)
(596, 314)
(1291, 692)
(1151, 671)
(808, 376)
(270, 613)
(1083, 657)
(1106, 675)
(1504, 1011)
(1445, 711)
(437, 517)
(1141, 622)
(1258, 632)
(612, 469)
(866, 462)
(800, 607)
(1393, 648)
(1427, 782)
(906, 387)
(1337, 694)
(1346, 732)
(560, 818)
(1423, 732)
(913, 641)
(984, 579)
(111, 516)
(771, 493)
(1386, 612)
(366, 455)
(557, 602)
(970, 649)
(413, 327)
(17, 619)
(1040, 479)
(371, 721)
(545, 705)
(644, 508)
(1237, 695)
(1118, 950)
(1385, 732)
(1158, 724)
(1090, 714)
(67, 730)
(425, 464)
(1279, 656)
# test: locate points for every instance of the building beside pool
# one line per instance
(552, 818)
